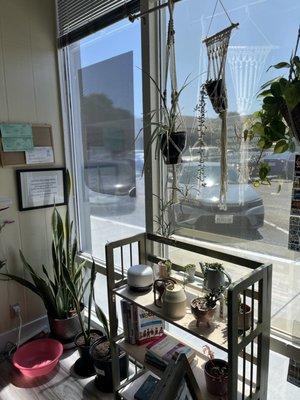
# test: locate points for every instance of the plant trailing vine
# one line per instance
(277, 123)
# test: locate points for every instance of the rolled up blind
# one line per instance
(79, 18)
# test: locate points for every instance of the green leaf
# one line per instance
(264, 169)
(281, 146)
(103, 320)
(292, 94)
(258, 128)
(277, 130)
(280, 65)
(276, 89)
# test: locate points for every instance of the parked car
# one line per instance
(200, 208)
(281, 165)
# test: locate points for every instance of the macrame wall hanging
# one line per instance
(217, 47)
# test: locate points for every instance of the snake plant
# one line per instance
(50, 283)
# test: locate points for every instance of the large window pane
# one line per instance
(256, 222)
(107, 115)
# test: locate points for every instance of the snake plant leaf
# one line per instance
(103, 320)
(22, 281)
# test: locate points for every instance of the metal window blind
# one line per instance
(79, 18)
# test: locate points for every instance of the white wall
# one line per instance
(28, 93)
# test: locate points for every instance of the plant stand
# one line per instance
(248, 352)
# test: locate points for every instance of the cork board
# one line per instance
(42, 137)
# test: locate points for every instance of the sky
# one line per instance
(266, 35)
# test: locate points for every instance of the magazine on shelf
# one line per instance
(140, 326)
(167, 348)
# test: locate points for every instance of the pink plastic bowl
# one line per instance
(38, 357)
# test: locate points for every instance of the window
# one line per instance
(105, 95)
(256, 222)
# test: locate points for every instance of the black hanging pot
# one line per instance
(84, 366)
(172, 145)
(100, 353)
(292, 118)
(217, 95)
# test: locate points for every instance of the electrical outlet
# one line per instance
(15, 310)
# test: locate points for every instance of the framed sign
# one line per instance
(178, 382)
(40, 188)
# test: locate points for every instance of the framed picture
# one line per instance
(40, 188)
(178, 382)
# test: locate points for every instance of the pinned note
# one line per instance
(16, 137)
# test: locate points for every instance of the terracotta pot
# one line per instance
(202, 314)
(84, 366)
(216, 385)
(172, 146)
(244, 310)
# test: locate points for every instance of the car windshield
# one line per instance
(189, 175)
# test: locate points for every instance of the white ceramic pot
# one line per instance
(174, 301)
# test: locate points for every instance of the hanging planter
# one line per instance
(216, 92)
(217, 48)
(172, 146)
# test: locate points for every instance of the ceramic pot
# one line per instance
(202, 314)
(159, 288)
(174, 301)
(245, 314)
(217, 95)
(65, 330)
(216, 385)
(172, 146)
(103, 367)
(84, 366)
(190, 275)
(214, 279)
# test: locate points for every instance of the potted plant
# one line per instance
(244, 317)
(190, 270)
(204, 308)
(214, 276)
(102, 357)
(278, 121)
(50, 284)
(164, 269)
(86, 337)
(216, 374)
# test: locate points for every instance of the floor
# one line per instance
(59, 385)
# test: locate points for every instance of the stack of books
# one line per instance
(140, 326)
(160, 352)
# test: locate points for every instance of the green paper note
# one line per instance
(16, 137)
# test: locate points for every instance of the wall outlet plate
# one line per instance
(15, 310)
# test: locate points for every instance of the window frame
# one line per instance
(152, 36)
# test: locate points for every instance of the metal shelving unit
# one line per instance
(247, 351)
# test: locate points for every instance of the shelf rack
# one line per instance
(248, 351)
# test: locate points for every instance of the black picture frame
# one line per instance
(20, 189)
(177, 372)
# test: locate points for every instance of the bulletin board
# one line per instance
(42, 137)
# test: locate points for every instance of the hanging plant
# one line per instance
(168, 133)
(277, 123)
(217, 48)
